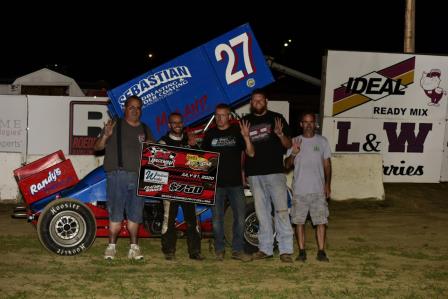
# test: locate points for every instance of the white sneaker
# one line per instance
(110, 252)
(134, 252)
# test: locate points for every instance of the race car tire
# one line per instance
(153, 218)
(66, 227)
(251, 226)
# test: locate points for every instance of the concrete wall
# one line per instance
(357, 176)
(8, 186)
(444, 172)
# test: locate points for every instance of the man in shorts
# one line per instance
(122, 138)
(310, 156)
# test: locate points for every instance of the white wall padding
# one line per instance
(357, 176)
(85, 164)
(9, 190)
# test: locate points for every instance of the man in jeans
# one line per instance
(230, 141)
(269, 134)
(122, 140)
(176, 137)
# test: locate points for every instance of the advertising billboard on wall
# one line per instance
(393, 104)
(13, 124)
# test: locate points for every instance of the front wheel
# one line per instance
(66, 227)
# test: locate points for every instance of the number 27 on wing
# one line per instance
(232, 72)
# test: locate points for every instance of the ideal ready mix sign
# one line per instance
(392, 104)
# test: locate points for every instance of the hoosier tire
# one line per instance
(66, 227)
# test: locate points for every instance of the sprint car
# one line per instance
(70, 213)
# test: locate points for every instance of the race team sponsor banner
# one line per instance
(13, 124)
(174, 173)
(392, 104)
(224, 70)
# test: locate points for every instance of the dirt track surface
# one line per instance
(397, 248)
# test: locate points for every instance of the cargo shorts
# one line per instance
(314, 203)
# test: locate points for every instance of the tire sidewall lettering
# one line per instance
(64, 206)
(54, 211)
(72, 251)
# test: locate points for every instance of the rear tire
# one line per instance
(251, 227)
(66, 227)
(153, 218)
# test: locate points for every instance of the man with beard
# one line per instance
(310, 157)
(270, 136)
(176, 137)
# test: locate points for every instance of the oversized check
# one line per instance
(175, 173)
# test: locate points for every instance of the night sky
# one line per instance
(92, 45)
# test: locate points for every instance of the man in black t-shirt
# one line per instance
(270, 136)
(176, 137)
(230, 141)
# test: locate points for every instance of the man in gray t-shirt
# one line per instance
(121, 139)
(310, 156)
